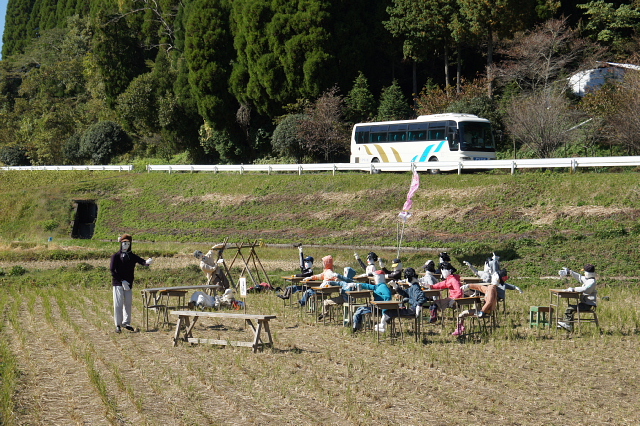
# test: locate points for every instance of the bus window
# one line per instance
(378, 137)
(397, 136)
(436, 134)
(476, 137)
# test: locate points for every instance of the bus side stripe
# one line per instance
(383, 156)
(366, 147)
(439, 146)
(426, 152)
(396, 154)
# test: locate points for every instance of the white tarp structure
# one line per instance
(587, 81)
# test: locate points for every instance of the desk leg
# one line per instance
(189, 327)
(268, 331)
(177, 334)
(256, 340)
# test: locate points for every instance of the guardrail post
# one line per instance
(413, 167)
(191, 169)
(169, 169)
(459, 167)
(299, 169)
(334, 169)
(241, 170)
(268, 170)
(574, 164)
(372, 169)
(513, 167)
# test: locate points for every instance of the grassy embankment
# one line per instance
(538, 222)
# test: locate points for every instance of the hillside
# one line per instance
(539, 221)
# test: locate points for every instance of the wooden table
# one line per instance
(556, 294)
(152, 298)
(471, 280)
(351, 305)
(298, 281)
(378, 307)
(324, 293)
(189, 318)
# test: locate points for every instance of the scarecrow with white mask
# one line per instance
(306, 270)
(588, 296)
(451, 282)
(396, 274)
(370, 267)
(491, 265)
(430, 272)
(122, 267)
(381, 292)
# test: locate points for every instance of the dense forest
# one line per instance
(243, 81)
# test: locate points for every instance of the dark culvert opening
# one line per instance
(84, 222)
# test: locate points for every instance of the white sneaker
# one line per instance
(381, 328)
(565, 325)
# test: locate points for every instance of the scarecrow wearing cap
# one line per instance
(588, 296)
(123, 263)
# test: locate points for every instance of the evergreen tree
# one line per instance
(117, 53)
(16, 37)
(360, 103)
(393, 105)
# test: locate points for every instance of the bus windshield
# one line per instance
(476, 136)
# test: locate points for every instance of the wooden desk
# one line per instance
(556, 294)
(297, 281)
(471, 280)
(189, 319)
(323, 293)
(378, 307)
(351, 305)
(152, 298)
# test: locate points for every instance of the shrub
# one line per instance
(84, 266)
(14, 155)
(17, 270)
(103, 141)
(286, 140)
(50, 225)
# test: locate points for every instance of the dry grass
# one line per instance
(318, 374)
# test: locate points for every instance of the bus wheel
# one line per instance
(434, 171)
(375, 160)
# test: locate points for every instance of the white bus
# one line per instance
(438, 137)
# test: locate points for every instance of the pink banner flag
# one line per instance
(415, 183)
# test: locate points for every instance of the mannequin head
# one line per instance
(125, 243)
(308, 262)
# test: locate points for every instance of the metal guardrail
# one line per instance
(125, 168)
(513, 165)
(459, 166)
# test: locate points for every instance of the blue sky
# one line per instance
(3, 12)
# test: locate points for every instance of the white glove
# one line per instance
(464, 287)
(518, 288)
(126, 285)
(563, 272)
(356, 255)
(571, 289)
(418, 311)
(149, 261)
(220, 261)
(300, 249)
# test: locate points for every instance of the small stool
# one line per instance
(540, 318)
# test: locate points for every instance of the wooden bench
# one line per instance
(189, 318)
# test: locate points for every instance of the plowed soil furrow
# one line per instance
(57, 389)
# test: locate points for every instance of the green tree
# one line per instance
(422, 25)
(286, 139)
(360, 105)
(393, 105)
(103, 141)
(117, 53)
(610, 25)
(16, 37)
(491, 20)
